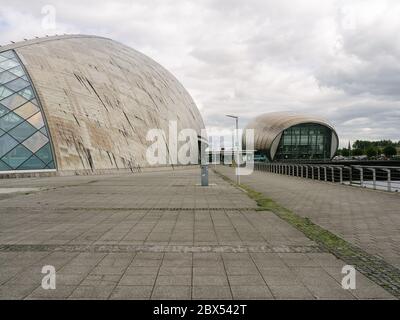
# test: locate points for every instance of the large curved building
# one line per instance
(283, 136)
(83, 104)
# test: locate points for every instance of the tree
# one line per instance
(345, 152)
(357, 152)
(389, 151)
(362, 144)
(371, 152)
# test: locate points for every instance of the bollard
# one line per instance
(204, 175)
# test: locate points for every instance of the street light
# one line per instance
(237, 146)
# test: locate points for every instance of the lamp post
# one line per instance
(237, 147)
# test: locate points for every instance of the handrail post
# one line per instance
(361, 175)
(350, 175)
(389, 180)
(333, 173)
(373, 177)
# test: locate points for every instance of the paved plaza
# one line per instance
(367, 218)
(159, 235)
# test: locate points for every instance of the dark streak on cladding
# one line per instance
(128, 120)
(98, 96)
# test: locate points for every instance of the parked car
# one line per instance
(339, 158)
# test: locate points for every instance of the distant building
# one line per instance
(282, 136)
(84, 104)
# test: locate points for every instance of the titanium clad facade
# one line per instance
(84, 104)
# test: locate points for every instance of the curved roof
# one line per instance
(101, 97)
(268, 128)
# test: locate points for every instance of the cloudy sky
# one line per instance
(336, 59)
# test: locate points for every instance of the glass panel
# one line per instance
(27, 93)
(4, 167)
(45, 153)
(18, 71)
(304, 139)
(22, 127)
(17, 84)
(13, 101)
(17, 156)
(6, 144)
(4, 92)
(37, 120)
(50, 165)
(308, 141)
(8, 64)
(44, 131)
(35, 142)
(10, 121)
(27, 110)
(33, 163)
(6, 77)
(22, 131)
(3, 110)
(8, 54)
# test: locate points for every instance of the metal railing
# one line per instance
(374, 177)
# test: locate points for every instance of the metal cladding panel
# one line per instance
(101, 97)
(268, 128)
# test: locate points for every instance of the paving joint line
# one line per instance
(164, 248)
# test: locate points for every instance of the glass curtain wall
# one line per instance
(305, 141)
(24, 139)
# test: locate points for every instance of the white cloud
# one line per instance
(339, 59)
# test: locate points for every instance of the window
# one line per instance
(24, 142)
(305, 141)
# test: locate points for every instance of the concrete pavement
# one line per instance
(367, 218)
(157, 235)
